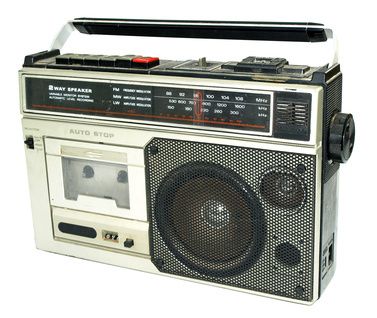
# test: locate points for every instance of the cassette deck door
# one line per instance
(96, 178)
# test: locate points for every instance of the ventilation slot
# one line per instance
(296, 114)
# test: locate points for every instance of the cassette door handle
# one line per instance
(258, 31)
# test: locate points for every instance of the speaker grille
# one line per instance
(333, 105)
(210, 219)
(214, 216)
(283, 188)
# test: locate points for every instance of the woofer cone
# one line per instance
(210, 219)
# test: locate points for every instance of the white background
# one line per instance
(39, 284)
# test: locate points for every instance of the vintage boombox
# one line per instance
(219, 172)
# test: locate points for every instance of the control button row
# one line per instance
(250, 64)
(125, 61)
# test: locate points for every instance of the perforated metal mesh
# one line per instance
(333, 105)
(212, 217)
(283, 188)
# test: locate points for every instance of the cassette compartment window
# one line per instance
(96, 179)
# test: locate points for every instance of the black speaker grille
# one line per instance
(212, 220)
(283, 188)
(333, 105)
(219, 229)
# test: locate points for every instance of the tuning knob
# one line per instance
(341, 137)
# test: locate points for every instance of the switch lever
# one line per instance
(202, 62)
(128, 243)
(29, 142)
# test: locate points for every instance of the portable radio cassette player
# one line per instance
(219, 172)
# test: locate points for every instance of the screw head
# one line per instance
(301, 168)
(122, 176)
(88, 172)
(153, 150)
(159, 262)
(299, 290)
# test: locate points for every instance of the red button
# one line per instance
(145, 62)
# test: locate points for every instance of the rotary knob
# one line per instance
(341, 137)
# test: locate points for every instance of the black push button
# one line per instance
(92, 60)
(125, 61)
(78, 58)
(128, 243)
(64, 59)
(108, 60)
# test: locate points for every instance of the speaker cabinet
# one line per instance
(230, 215)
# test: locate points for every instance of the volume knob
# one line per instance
(341, 137)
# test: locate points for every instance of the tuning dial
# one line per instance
(341, 137)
